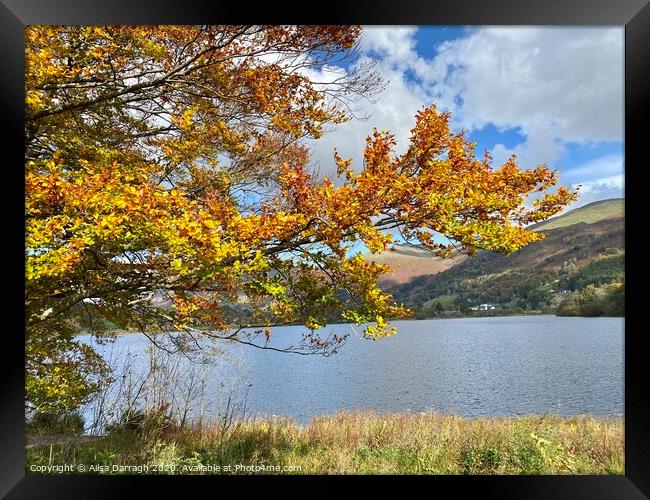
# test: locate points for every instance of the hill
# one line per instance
(593, 212)
(581, 248)
(408, 262)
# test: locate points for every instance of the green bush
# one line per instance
(140, 421)
(55, 423)
(608, 300)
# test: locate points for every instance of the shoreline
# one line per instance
(360, 442)
(133, 332)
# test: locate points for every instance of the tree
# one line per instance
(167, 178)
(461, 304)
(607, 300)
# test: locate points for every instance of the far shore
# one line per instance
(469, 316)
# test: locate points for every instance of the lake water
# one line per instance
(470, 367)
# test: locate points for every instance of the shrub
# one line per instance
(55, 423)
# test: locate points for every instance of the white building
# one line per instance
(484, 307)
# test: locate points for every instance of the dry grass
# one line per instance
(371, 443)
(407, 263)
(593, 212)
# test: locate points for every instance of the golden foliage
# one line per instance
(166, 162)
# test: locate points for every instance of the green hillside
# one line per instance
(409, 262)
(593, 212)
(583, 250)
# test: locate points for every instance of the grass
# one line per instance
(358, 443)
(593, 212)
(446, 300)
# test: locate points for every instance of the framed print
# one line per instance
(390, 244)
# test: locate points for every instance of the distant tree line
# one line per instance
(607, 300)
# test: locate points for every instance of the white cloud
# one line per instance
(392, 43)
(395, 109)
(599, 179)
(541, 146)
(602, 189)
(604, 167)
(604, 184)
(557, 85)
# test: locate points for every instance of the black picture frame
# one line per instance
(633, 14)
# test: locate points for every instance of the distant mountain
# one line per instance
(408, 262)
(593, 212)
(584, 246)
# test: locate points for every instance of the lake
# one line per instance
(471, 367)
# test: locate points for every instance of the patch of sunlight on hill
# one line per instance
(593, 212)
(408, 262)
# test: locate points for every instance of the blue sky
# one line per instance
(550, 95)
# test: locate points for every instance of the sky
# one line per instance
(550, 95)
